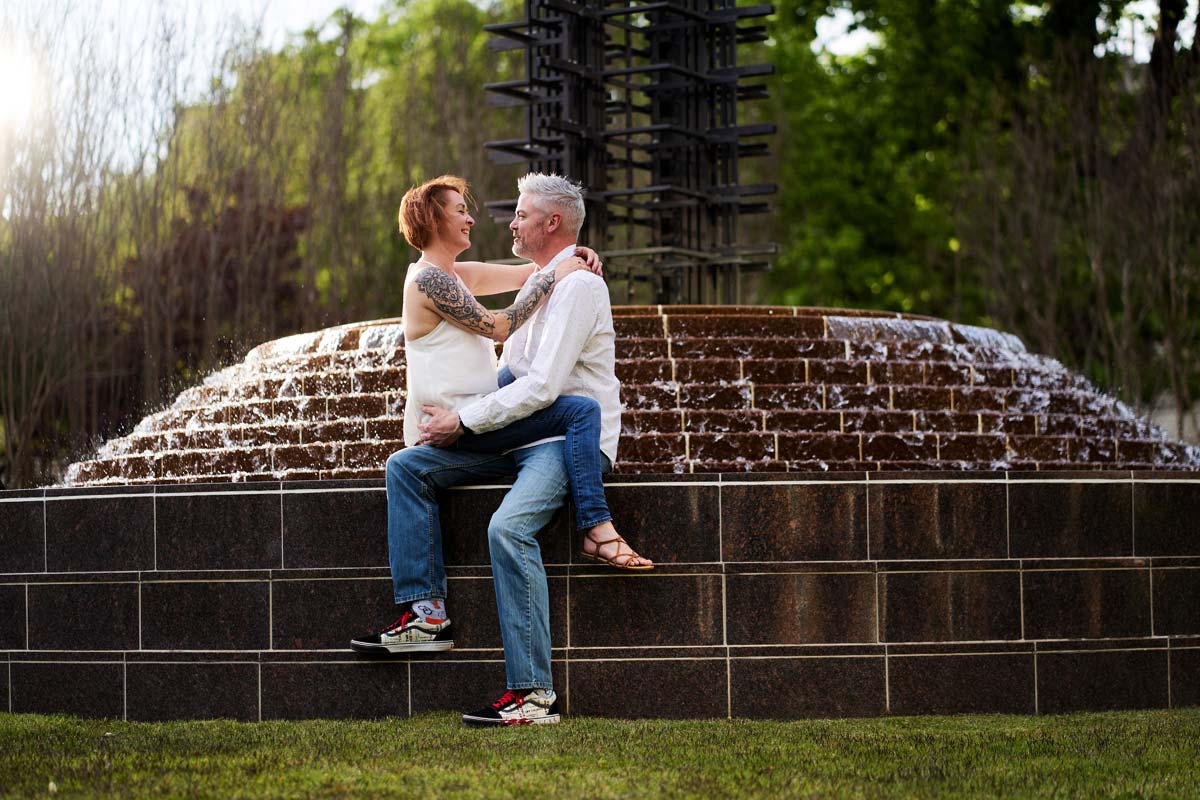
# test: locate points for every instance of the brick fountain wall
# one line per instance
(1052, 570)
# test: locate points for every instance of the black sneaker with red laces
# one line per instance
(408, 634)
(518, 707)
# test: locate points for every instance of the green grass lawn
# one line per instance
(1129, 754)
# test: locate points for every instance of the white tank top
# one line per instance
(448, 367)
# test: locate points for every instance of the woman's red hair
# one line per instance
(421, 208)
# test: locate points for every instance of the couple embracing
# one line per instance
(548, 420)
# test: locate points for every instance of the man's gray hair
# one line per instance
(556, 194)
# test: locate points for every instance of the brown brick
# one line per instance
(389, 428)
(310, 456)
(837, 372)
(744, 421)
(367, 455)
(346, 431)
(902, 372)
(789, 398)
(878, 421)
(649, 396)
(920, 398)
(659, 448)
(634, 422)
(771, 370)
(376, 381)
(731, 446)
(641, 326)
(758, 326)
(818, 447)
(714, 396)
(850, 398)
(639, 347)
(355, 406)
(804, 421)
(948, 421)
(899, 447)
(709, 370)
(973, 447)
(644, 370)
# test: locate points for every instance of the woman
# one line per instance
(451, 359)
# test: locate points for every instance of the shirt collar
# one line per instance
(566, 252)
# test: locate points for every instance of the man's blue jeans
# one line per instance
(415, 540)
(578, 418)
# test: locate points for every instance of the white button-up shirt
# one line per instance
(567, 347)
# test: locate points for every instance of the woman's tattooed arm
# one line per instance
(458, 306)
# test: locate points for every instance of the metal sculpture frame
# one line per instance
(638, 101)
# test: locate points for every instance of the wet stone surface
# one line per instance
(908, 392)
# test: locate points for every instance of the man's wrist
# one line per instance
(462, 426)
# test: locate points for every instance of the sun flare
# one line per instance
(18, 82)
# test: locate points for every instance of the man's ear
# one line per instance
(553, 223)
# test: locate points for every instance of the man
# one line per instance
(567, 347)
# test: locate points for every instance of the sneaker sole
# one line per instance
(485, 722)
(404, 647)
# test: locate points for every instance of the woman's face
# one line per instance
(457, 222)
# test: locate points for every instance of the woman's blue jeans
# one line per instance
(578, 418)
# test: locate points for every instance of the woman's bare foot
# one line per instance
(602, 543)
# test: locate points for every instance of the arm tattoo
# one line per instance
(528, 300)
(453, 303)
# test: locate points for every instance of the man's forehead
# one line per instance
(527, 202)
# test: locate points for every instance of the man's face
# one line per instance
(528, 228)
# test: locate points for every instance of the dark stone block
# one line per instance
(23, 536)
(1185, 677)
(335, 529)
(82, 690)
(682, 688)
(805, 608)
(931, 520)
(1176, 602)
(219, 531)
(792, 688)
(465, 514)
(1070, 520)
(192, 691)
(228, 615)
(950, 606)
(326, 614)
(1101, 680)
(794, 523)
(1166, 518)
(83, 616)
(1087, 604)
(670, 525)
(627, 610)
(962, 684)
(364, 690)
(12, 617)
(103, 534)
(475, 683)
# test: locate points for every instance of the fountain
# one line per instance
(852, 513)
(706, 389)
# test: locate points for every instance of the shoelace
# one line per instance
(400, 623)
(510, 696)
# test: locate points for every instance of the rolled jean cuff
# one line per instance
(422, 596)
(521, 686)
(587, 526)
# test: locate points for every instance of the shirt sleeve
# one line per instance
(566, 333)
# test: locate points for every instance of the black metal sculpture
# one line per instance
(639, 102)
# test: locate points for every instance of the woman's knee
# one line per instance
(580, 406)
